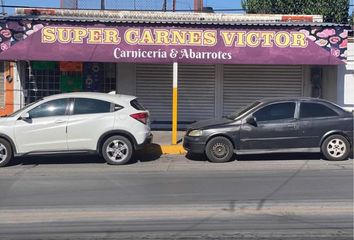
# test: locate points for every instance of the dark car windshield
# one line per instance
(240, 112)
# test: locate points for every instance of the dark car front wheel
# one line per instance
(219, 149)
(335, 148)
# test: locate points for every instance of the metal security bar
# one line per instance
(43, 79)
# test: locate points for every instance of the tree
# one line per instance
(332, 10)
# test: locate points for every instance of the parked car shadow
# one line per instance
(151, 152)
(264, 157)
(57, 159)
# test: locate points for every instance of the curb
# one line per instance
(173, 149)
(164, 149)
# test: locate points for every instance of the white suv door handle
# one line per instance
(59, 121)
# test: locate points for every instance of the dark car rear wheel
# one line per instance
(117, 150)
(219, 150)
(335, 148)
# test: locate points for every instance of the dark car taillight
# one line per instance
(141, 117)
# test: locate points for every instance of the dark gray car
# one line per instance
(275, 125)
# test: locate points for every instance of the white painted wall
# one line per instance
(345, 85)
(18, 91)
(329, 83)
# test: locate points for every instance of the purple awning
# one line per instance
(146, 44)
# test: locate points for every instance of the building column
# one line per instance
(8, 89)
(219, 90)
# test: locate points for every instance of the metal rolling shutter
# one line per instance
(154, 90)
(246, 83)
(196, 92)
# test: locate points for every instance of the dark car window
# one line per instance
(90, 106)
(276, 111)
(313, 110)
(49, 109)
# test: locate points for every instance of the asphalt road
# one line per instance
(172, 197)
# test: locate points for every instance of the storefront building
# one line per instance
(214, 63)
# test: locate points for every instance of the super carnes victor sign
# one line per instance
(146, 44)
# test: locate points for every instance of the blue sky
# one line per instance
(181, 4)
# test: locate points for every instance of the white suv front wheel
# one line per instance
(5, 152)
(117, 150)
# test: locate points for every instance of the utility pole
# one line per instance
(174, 5)
(164, 6)
(198, 5)
(2, 7)
(102, 4)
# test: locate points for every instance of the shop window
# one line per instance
(45, 78)
(109, 77)
(42, 79)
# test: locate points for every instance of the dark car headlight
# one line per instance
(195, 133)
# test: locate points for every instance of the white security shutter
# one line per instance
(244, 84)
(154, 90)
(196, 92)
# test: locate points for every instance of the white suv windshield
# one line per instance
(22, 109)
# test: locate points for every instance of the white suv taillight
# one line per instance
(141, 117)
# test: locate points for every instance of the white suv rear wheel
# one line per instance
(117, 150)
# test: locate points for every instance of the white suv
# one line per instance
(108, 124)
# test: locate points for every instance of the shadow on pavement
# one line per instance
(263, 157)
(150, 153)
(57, 159)
(281, 156)
(154, 152)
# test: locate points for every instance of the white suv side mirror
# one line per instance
(25, 116)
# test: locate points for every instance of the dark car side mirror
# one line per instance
(251, 120)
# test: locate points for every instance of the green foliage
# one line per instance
(332, 10)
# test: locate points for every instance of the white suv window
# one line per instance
(91, 106)
(49, 109)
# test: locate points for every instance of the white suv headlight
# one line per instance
(195, 133)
